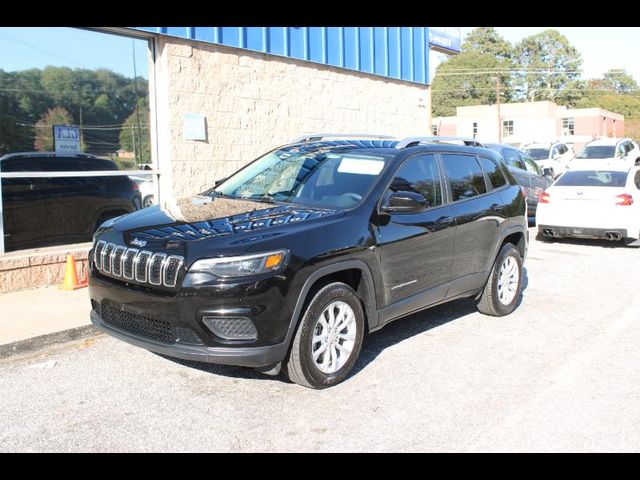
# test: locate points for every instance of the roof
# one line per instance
(607, 141)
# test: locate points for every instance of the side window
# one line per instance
(419, 174)
(511, 157)
(554, 151)
(621, 150)
(627, 147)
(465, 176)
(496, 177)
(24, 164)
(562, 149)
(530, 165)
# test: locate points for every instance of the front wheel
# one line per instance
(328, 340)
(504, 285)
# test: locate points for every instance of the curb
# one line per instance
(35, 343)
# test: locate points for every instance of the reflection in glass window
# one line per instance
(465, 176)
(496, 177)
(419, 175)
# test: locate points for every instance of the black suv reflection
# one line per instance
(39, 212)
(292, 259)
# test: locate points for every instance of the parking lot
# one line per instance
(559, 374)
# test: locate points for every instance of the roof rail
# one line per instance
(413, 141)
(316, 137)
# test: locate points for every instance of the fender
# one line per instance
(369, 300)
(505, 233)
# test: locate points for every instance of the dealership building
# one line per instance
(221, 96)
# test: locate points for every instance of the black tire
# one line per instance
(489, 302)
(299, 366)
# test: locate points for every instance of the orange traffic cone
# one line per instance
(71, 276)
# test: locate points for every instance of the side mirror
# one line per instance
(405, 202)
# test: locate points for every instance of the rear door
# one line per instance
(478, 212)
(539, 181)
(417, 248)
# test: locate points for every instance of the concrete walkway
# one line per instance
(30, 319)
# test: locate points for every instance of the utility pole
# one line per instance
(133, 133)
(81, 132)
(498, 108)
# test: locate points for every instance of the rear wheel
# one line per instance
(147, 201)
(504, 285)
(328, 340)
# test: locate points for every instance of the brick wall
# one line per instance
(254, 102)
(40, 267)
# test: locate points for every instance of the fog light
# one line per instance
(231, 328)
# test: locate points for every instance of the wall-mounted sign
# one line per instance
(195, 127)
(66, 139)
(445, 39)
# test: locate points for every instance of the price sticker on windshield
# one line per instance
(361, 166)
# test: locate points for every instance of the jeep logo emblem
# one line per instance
(138, 243)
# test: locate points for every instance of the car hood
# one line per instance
(191, 220)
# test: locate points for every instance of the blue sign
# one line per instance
(446, 39)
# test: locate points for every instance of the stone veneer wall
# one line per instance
(32, 268)
(254, 102)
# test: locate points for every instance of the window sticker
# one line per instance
(361, 166)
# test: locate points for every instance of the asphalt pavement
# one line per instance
(559, 374)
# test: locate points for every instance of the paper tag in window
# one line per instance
(360, 166)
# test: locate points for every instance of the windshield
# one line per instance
(326, 177)
(598, 151)
(537, 153)
(592, 178)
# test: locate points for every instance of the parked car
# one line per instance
(43, 211)
(526, 172)
(554, 157)
(601, 204)
(608, 153)
(293, 258)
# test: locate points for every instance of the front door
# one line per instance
(417, 248)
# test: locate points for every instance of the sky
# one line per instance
(602, 48)
(36, 47)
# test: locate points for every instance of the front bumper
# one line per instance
(242, 356)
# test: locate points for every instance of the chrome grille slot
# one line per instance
(171, 268)
(127, 263)
(97, 254)
(140, 265)
(116, 267)
(131, 264)
(155, 268)
(106, 257)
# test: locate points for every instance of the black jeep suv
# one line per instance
(292, 259)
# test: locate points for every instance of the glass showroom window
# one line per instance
(76, 148)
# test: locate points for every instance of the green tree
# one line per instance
(488, 41)
(549, 68)
(619, 81)
(14, 136)
(135, 137)
(470, 77)
(44, 127)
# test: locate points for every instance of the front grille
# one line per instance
(135, 265)
(138, 325)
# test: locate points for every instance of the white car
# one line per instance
(607, 153)
(551, 157)
(592, 204)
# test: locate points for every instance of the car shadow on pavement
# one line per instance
(374, 344)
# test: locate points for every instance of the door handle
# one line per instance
(445, 221)
(496, 208)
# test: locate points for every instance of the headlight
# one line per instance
(243, 266)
